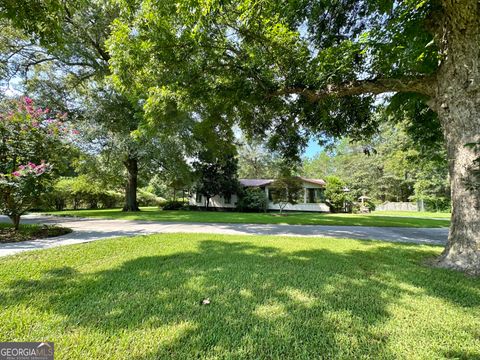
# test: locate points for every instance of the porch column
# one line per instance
(304, 195)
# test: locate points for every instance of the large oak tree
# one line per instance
(296, 68)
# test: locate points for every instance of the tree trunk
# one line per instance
(457, 103)
(15, 221)
(131, 203)
(463, 248)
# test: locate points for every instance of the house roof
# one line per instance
(263, 182)
(255, 182)
(314, 181)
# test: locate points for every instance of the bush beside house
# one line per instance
(337, 198)
(252, 200)
(173, 205)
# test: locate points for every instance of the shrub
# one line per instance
(173, 205)
(252, 200)
(110, 199)
(191, 207)
(441, 204)
(433, 203)
(337, 199)
(82, 192)
(146, 198)
(370, 205)
(355, 207)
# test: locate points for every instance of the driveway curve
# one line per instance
(88, 229)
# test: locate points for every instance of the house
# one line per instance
(313, 196)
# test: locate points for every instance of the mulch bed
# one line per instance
(9, 235)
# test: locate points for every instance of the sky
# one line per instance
(312, 149)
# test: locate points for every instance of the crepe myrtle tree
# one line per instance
(32, 143)
(298, 68)
(21, 190)
(286, 190)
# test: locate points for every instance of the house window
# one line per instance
(315, 195)
(228, 199)
(198, 197)
(321, 195)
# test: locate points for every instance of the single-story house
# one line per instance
(313, 196)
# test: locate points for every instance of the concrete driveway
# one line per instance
(85, 230)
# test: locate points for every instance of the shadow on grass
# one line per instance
(265, 303)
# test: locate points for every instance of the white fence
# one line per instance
(397, 206)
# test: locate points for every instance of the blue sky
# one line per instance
(312, 149)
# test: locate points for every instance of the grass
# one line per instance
(29, 232)
(271, 298)
(154, 214)
(417, 214)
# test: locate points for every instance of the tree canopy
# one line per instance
(293, 69)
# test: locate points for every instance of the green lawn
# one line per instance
(155, 214)
(417, 214)
(29, 232)
(271, 298)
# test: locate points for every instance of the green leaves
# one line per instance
(216, 174)
(336, 194)
(32, 140)
(228, 60)
(286, 190)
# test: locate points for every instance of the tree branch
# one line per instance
(422, 85)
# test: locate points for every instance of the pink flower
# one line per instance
(75, 132)
(28, 100)
(32, 169)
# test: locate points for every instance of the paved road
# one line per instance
(85, 230)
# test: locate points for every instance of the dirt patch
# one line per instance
(9, 235)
